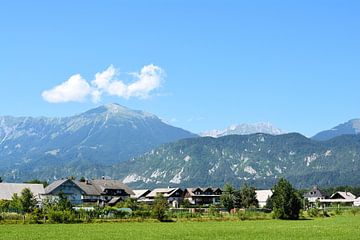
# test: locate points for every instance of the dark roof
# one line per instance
(92, 187)
(315, 192)
(54, 185)
(103, 184)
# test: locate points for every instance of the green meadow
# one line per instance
(338, 227)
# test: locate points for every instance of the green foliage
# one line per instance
(4, 205)
(159, 208)
(1, 180)
(227, 198)
(186, 203)
(129, 203)
(15, 203)
(269, 204)
(248, 197)
(355, 211)
(27, 200)
(286, 201)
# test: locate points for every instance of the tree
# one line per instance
(1, 180)
(63, 203)
(27, 200)
(285, 200)
(82, 179)
(248, 197)
(228, 197)
(15, 203)
(159, 208)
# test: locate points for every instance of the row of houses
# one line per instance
(316, 197)
(109, 192)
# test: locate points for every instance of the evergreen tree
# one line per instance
(285, 200)
(228, 197)
(1, 180)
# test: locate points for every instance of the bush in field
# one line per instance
(65, 216)
(159, 208)
(186, 203)
(286, 201)
(214, 211)
(313, 212)
(355, 211)
(4, 205)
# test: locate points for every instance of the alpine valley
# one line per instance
(144, 152)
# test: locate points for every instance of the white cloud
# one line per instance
(74, 89)
(78, 89)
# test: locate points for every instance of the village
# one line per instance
(107, 192)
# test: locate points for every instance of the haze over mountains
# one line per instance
(136, 146)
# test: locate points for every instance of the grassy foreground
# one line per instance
(340, 227)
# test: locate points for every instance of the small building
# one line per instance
(140, 194)
(343, 195)
(315, 195)
(173, 195)
(91, 191)
(262, 196)
(201, 196)
(339, 198)
(7, 190)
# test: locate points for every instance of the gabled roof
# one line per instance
(7, 190)
(166, 192)
(192, 191)
(54, 185)
(103, 184)
(343, 195)
(315, 192)
(140, 193)
(91, 187)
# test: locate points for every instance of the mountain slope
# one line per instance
(82, 144)
(258, 159)
(350, 127)
(243, 129)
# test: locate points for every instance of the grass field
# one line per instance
(339, 227)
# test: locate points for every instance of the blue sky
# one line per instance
(295, 64)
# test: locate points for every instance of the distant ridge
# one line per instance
(244, 129)
(349, 127)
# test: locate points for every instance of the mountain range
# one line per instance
(84, 144)
(143, 151)
(243, 129)
(258, 159)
